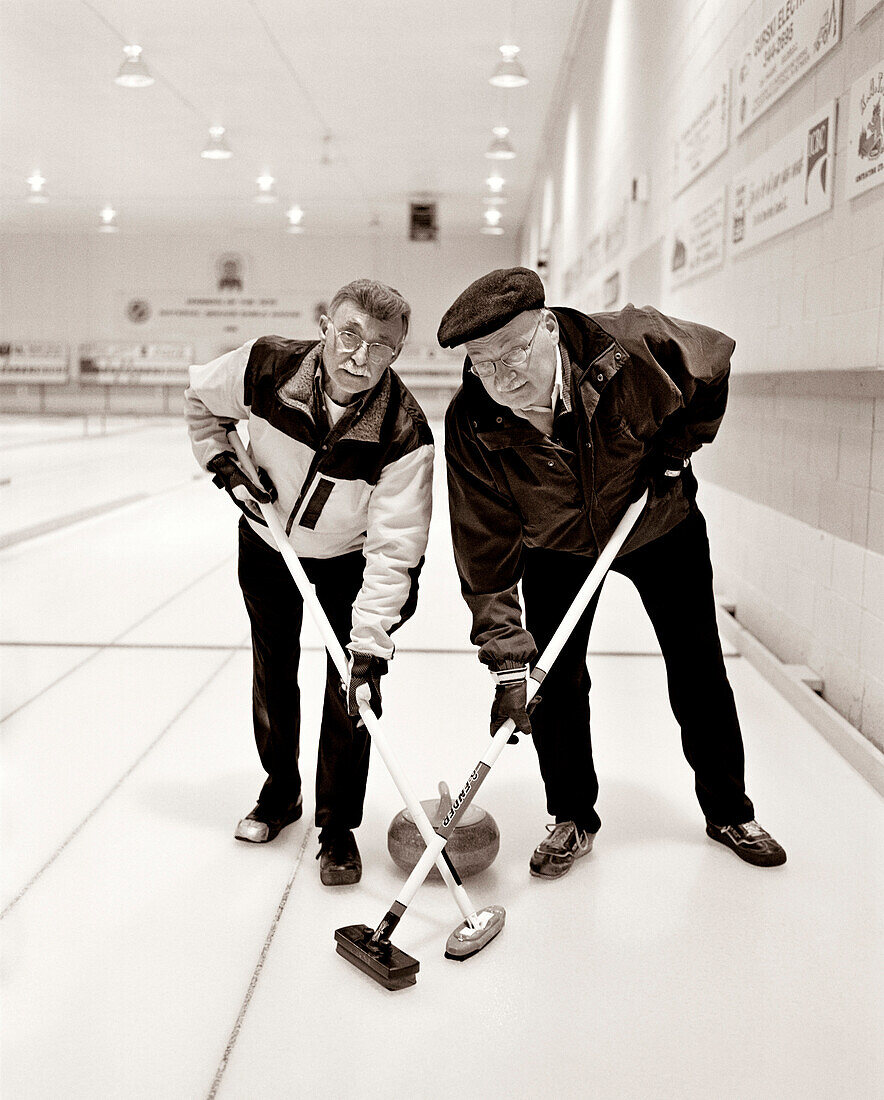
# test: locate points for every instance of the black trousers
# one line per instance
(673, 575)
(276, 612)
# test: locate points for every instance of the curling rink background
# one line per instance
(148, 954)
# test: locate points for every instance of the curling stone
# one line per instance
(471, 847)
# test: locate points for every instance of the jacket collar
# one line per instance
(591, 357)
(302, 390)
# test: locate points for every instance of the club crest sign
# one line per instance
(865, 143)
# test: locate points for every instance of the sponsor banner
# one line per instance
(218, 316)
(119, 362)
(797, 35)
(787, 185)
(862, 8)
(865, 132)
(696, 243)
(703, 135)
(34, 361)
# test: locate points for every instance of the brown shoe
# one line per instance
(339, 861)
(555, 856)
(262, 825)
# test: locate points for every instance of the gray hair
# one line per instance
(377, 299)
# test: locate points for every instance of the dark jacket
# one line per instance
(638, 384)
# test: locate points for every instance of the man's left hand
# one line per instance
(666, 473)
(364, 685)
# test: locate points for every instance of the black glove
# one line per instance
(229, 475)
(365, 669)
(665, 472)
(511, 701)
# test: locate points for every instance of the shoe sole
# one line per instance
(339, 878)
(748, 857)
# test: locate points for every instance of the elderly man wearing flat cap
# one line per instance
(563, 418)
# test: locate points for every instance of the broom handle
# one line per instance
(336, 652)
(544, 663)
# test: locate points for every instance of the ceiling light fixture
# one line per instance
(107, 221)
(36, 182)
(216, 147)
(492, 216)
(495, 183)
(133, 72)
(494, 200)
(501, 147)
(265, 189)
(492, 230)
(295, 215)
(508, 72)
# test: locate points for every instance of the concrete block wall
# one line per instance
(793, 485)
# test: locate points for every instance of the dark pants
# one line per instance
(673, 575)
(276, 611)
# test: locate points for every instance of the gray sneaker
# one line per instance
(751, 843)
(554, 856)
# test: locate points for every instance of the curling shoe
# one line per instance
(339, 861)
(261, 826)
(751, 843)
(555, 856)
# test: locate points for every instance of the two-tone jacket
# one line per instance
(634, 383)
(363, 484)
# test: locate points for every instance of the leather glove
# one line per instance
(240, 487)
(662, 473)
(511, 701)
(364, 685)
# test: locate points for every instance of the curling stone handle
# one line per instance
(444, 800)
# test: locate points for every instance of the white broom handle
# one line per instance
(336, 652)
(544, 663)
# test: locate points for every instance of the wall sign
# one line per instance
(696, 243)
(703, 135)
(114, 363)
(787, 185)
(783, 48)
(865, 132)
(34, 361)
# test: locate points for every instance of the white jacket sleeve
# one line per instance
(215, 397)
(396, 539)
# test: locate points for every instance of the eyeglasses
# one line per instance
(379, 355)
(513, 359)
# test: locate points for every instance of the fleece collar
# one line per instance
(363, 419)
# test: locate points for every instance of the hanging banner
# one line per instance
(787, 185)
(863, 8)
(865, 132)
(696, 243)
(783, 48)
(34, 361)
(703, 136)
(118, 363)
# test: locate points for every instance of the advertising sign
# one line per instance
(703, 135)
(865, 132)
(783, 48)
(114, 363)
(33, 361)
(787, 185)
(696, 243)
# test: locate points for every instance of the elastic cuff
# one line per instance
(505, 676)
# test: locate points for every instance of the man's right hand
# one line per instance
(510, 701)
(240, 487)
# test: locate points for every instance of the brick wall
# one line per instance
(794, 486)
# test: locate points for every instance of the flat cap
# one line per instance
(488, 303)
